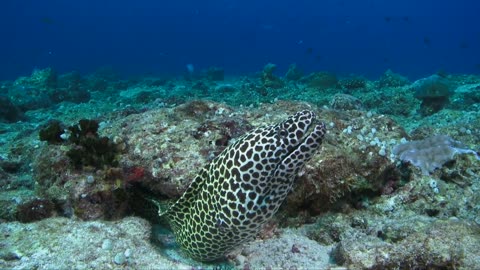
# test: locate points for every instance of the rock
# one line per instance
(391, 79)
(321, 80)
(269, 80)
(345, 102)
(215, 74)
(9, 112)
(434, 92)
(293, 73)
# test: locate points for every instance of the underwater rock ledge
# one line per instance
(354, 196)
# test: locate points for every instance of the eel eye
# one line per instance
(282, 132)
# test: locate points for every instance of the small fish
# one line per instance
(190, 68)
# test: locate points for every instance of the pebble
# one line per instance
(90, 179)
(107, 244)
(120, 258)
(128, 253)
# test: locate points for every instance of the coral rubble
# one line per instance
(67, 166)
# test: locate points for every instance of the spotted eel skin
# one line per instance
(242, 188)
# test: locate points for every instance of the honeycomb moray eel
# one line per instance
(243, 187)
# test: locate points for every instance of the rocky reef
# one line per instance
(356, 204)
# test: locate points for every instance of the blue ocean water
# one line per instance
(413, 38)
(108, 110)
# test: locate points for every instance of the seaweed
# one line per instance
(90, 149)
(52, 132)
(34, 210)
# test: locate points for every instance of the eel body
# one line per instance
(242, 188)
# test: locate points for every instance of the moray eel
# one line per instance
(242, 188)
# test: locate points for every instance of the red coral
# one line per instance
(390, 186)
(135, 174)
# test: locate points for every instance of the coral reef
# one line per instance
(269, 80)
(70, 87)
(433, 91)
(394, 101)
(294, 73)
(30, 93)
(395, 243)
(345, 102)
(356, 199)
(28, 98)
(321, 80)
(40, 78)
(36, 209)
(391, 79)
(215, 74)
(86, 194)
(9, 112)
(90, 149)
(45, 88)
(52, 132)
(353, 83)
(357, 155)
